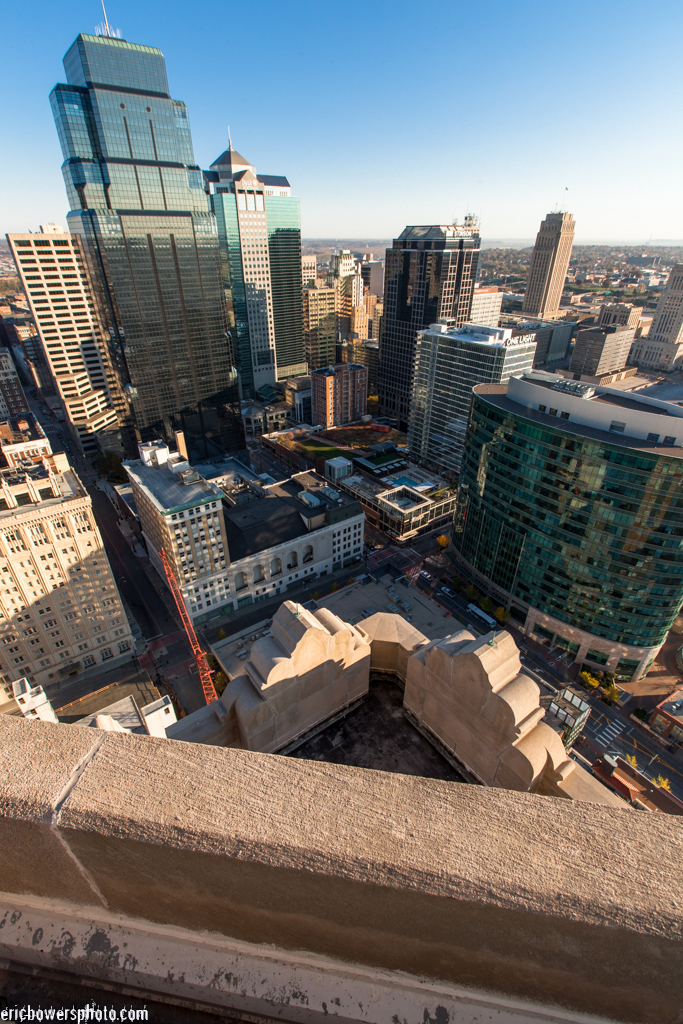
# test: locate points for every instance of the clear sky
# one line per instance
(392, 112)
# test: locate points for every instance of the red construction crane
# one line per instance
(200, 657)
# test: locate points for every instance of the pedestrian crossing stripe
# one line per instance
(611, 731)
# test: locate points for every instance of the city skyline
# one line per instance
(509, 195)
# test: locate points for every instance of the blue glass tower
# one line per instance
(137, 199)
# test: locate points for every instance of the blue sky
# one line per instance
(384, 113)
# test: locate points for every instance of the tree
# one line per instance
(589, 680)
(373, 405)
(662, 783)
(316, 595)
(611, 692)
(443, 541)
(335, 585)
(456, 583)
(221, 634)
(220, 682)
(111, 465)
(486, 604)
(472, 593)
(501, 614)
(631, 759)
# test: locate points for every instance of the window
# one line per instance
(669, 441)
(106, 653)
(541, 408)
(88, 661)
(617, 427)
(653, 437)
(564, 415)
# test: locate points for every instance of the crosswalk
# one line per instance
(610, 733)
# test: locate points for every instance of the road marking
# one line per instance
(610, 732)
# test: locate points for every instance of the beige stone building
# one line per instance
(54, 273)
(662, 349)
(309, 269)
(61, 611)
(623, 314)
(549, 265)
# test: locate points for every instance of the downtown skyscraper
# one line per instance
(137, 202)
(549, 265)
(429, 276)
(259, 229)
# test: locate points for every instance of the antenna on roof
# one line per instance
(229, 138)
(105, 29)
(106, 23)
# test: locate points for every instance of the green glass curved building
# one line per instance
(570, 513)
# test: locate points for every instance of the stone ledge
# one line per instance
(523, 896)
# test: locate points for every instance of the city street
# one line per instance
(609, 729)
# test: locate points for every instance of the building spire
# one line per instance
(229, 136)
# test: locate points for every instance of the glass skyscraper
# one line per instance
(570, 513)
(448, 364)
(429, 276)
(138, 202)
(259, 229)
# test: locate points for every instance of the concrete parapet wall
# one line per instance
(481, 894)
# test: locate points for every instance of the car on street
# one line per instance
(425, 576)
(447, 591)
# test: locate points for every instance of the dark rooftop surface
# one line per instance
(377, 735)
(260, 524)
(143, 692)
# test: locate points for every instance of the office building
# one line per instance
(350, 305)
(61, 611)
(552, 337)
(429, 276)
(448, 364)
(12, 398)
(486, 306)
(75, 340)
(662, 348)
(309, 269)
(23, 442)
(342, 264)
(549, 265)
(372, 272)
(320, 330)
(259, 229)
(601, 350)
(365, 353)
(138, 205)
(570, 514)
(339, 394)
(229, 540)
(620, 314)
(405, 503)
(298, 395)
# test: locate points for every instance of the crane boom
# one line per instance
(200, 657)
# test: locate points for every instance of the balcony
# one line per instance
(306, 892)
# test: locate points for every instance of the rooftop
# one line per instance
(168, 490)
(480, 334)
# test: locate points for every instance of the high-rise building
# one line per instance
(259, 229)
(486, 306)
(74, 338)
(61, 611)
(570, 514)
(138, 203)
(662, 349)
(365, 353)
(448, 364)
(601, 350)
(429, 276)
(372, 272)
(320, 331)
(340, 394)
(309, 269)
(12, 398)
(549, 265)
(553, 337)
(624, 314)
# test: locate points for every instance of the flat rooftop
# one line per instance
(167, 489)
(100, 701)
(497, 395)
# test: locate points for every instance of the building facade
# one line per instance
(486, 306)
(570, 513)
(309, 269)
(372, 272)
(448, 364)
(138, 203)
(623, 314)
(601, 350)
(320, 325)
(259, 229)
(429, 276)
(74, 337)
(12, 398)
(549, 265)
(61, 611)
(230, 541)
(662, 349)
(552, 337)
(339, 394)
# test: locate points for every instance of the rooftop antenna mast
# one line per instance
(107, 29)
(229, 135)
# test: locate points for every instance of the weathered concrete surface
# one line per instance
(393, 641)
(475, 698)
(519, 895)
